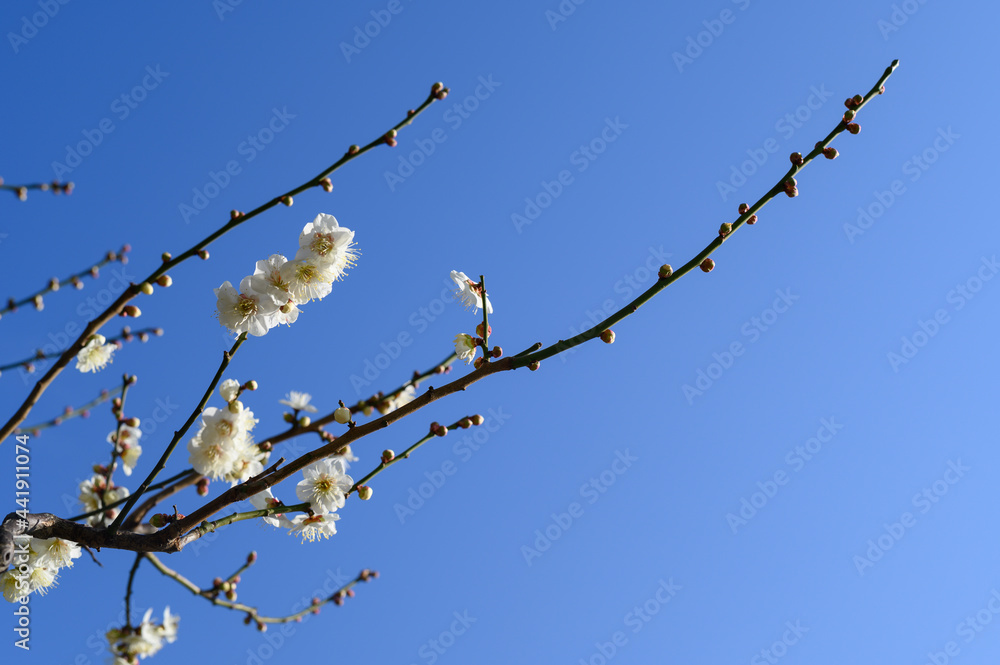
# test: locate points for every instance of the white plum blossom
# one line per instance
(55, 553)
(307, 280)
(298, 401)
(314, 527)
(212, 459)
(230, 390)
(95, 354)
(127, 446)
(246, 310)
(404, 397)
(469, 292)
(325, 242)
(265, 499)
(465, 347)
(325, 485)
(95, 493)
(144, 640)
(249, 462)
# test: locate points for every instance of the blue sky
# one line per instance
(832, 378)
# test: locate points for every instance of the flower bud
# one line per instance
(203, 254)
(250, 385)
(744, 207)
(132, 422)
(388, 455)
(342, 415)
(497, 352)
(364, 492)
(858, 98)
(479, 330)
(830, 153)
(304, 421)
(287, 200)
(146, 288)
(465, 423)
(478, 362)
(159, 520)
(752, 219)
(164, 281)
(608, 336)
(437, 87)
(849, 115)
(251, 558)
(792, 192)
(442, 431)
(534, 365)
(231, 595)
(707, 265)
(725, 229)
(665, 271)
(477, 420)
(854, 128)
(131, 310)
(166, 256)
(326, 184)
(235, 214)
(353, 150)
(202, 486)
(796, 158)
(288, 418)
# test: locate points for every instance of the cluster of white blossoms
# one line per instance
(126, 443)
(95, 354)
(324, 487)
(95, 493)
(143, 640)
(223, 447)
(272, 294)
(36, 567)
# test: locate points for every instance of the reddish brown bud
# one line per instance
(796, 158)
(608, 336)
(854, 128)
(477, 420)
(830, 153)
(707, 265)
(752, 219)
(744, 207)
(725, 229)
(497, 352)
(665, 271)
(235, 214)
(203, 254)
(533, 366)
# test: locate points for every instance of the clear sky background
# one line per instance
(814, 299)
